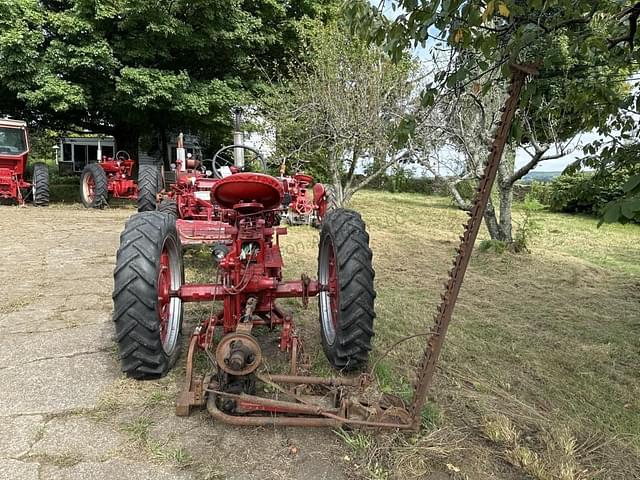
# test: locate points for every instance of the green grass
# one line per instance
(139, 432)
(548, 338)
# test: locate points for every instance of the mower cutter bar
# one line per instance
(426, 369)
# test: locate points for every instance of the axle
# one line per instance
(268, 286)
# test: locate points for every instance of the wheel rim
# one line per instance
(329, 296)
(89, 188)
(169, 308)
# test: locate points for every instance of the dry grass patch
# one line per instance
(15, 305)
(542, 339)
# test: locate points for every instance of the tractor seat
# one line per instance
(248, 188)
(303, 178)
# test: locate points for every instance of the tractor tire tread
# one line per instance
(148, 180)
(101, 188)
(168, 206)
(41, 191)
(355, 328)
(135, 296)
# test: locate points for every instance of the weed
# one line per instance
(138, 429)
(358, 442)
(529, 226)
(496, 246)
(431, 416)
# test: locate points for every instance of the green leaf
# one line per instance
(612, 213)
(630, 208)
(632, 184)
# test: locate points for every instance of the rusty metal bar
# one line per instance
(270, 420)
(327, 381)
(426, 369)
(325, 418)
(284, 406)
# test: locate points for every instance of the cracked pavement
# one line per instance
(67, 412)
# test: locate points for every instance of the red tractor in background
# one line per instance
(188, 196)
(14, 155)
(303, 208)
(186, 193)
(114, 178)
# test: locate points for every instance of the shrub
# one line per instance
(497, 246)
(541, 191)
(586, 192)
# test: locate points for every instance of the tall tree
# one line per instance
(345, 110)
(581, 82)
(126, 66)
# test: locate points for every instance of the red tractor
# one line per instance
(189, 198)
(150, 293)
(113, 178)
(303, 208)
(238, 386)
(189, 194)
(14, 154)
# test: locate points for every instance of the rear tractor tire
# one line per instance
(94, 189)
(40, 185)
(148, 184)
(148, 320)
(168, 206)
(346, 302)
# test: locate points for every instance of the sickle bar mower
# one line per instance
(150, 293)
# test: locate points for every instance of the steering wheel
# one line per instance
(258, 155)
(124, 152)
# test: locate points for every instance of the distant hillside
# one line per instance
(540, 176)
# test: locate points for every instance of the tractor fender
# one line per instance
(318, 193)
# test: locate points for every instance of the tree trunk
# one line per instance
(336, 179)
(164, 149)
(506, 203)
(460, 202)
(495, 232)
(126, 138)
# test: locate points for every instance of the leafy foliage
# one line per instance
(136, 65)
(343, 112)
(593, 193)
(619, 162)
(528, 227)
(576, 43)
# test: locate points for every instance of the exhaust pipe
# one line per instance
(181, 153)
(238, 138)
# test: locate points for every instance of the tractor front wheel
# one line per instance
(147, 317)
(148, 182)
(345, 274)
(94, 189)
(40, 185)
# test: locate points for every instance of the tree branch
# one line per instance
(634, 13)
